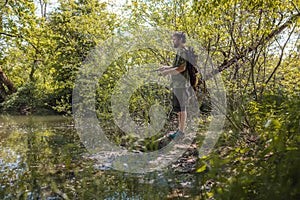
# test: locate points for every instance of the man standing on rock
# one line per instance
(180, 81)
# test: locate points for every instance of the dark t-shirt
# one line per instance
(180, 80)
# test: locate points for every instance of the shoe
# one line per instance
(173, 135)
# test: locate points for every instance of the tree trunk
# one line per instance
(4, 81)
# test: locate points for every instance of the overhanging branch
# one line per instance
(20, 36)
(7, 34)
(262, 42)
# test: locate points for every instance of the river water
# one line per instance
(43, 158)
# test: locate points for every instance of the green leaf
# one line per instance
(201, 169)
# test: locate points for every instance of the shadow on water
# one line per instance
(43, 158)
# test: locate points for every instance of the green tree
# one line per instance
(50, 49)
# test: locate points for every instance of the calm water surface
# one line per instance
(43, 158)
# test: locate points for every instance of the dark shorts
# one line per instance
(180, 99)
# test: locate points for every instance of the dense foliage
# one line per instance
(254, 43)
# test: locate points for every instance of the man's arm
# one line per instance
(167, 70)
(180, 66)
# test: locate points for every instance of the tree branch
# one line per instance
(281, 56)
(9, 35)
(20, 36)
(262, 42)
(4, 80)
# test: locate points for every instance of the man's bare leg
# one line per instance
(182, 120)
(179, 119)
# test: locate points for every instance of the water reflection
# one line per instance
(43, 158)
